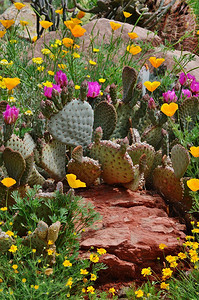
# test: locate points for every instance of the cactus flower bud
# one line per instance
(10, 115)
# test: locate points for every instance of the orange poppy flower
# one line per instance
(59, 11)
(2, 33)
(67, 42)
(126, 14)
(19, 5)
(151, 86)
(134, 49)
(114, 25)
(132, 35)
(7, 23)
(80, 14)
(169, 109)
(193, 184)
(77, 31)
(194, 151)
(24, 23)
(8, 182)
(156, 62)
(11, 83)
(45, 24)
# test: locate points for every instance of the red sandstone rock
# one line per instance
(132, 227)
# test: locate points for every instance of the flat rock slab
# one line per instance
(132, 227)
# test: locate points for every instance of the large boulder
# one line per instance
(101, 30)
(25, 14)
(132, 227)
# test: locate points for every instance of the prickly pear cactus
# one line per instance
(73, 124)
(14, 163)
(85, 168)
(116, 164)
(189, 108)
(153, 136)
(167, 184)
(53, 159)
(180, 160)
(137, 150)
(105, 116)
(35, 178)
(5, 241)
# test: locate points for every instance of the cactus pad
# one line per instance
(117, 166)
(153, 136)
(53, 159)
(167, 184)
(189, 107)
(129, 78)
(73, 125)
(137, 150)
(180, 160)
(86, 169)
(35, 178)
(105, 116)
(14, 163)
(25, 146)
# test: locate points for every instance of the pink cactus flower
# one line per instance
(93, 89)
(48, 90)
(11, 114)
(186, 93)
(169, 96)
(194, 87)
(61, 78)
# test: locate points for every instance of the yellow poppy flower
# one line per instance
(194, 151)
(7, 23)
(126, 14)
(45, 24)
(151, 86)
(2, 33)
(24, 23)
(114, 25)
(193, 184)
(169, 109)
(80, 14)
(73, 182)
(134, 49)
(8, 182)
(67, 42)
(156, 62)
(132, 35)
(69, 24)
(77, 31)
(34, 39)
(19, 5)
(11, 83)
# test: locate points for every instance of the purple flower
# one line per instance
(93, 89)
(194, 87)
(48, 90)
(61, 78)
(151, 103)
(169, 96)
(182, 78)
(11, 114)
(186, 93)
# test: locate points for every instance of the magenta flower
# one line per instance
(61, 78)
(186, 93)
(11, 114)
(169, 96)
(93, 89)
(48, 90)
(151, 103)
(182, 78)
(194, 87)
